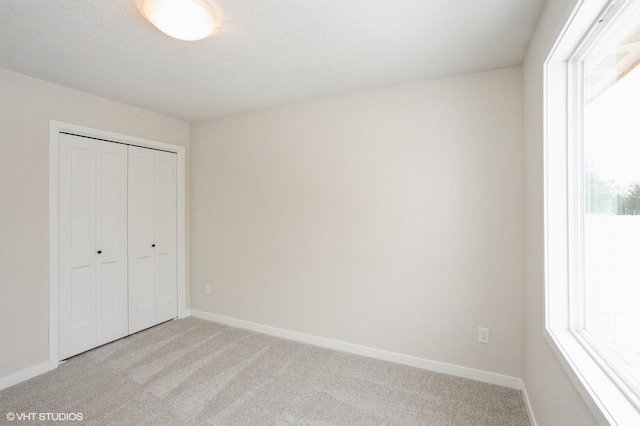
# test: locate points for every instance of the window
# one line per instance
(592, 205)
(609, 212)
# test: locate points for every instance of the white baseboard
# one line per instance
(425, 364)
(527, 404)
(26, 374)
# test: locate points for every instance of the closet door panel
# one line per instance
(152, 238)
(165, 237)
(142, 269)
(111, 241)
(77, 238)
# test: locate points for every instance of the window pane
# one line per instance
(611, 149)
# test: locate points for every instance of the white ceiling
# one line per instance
(267, 52)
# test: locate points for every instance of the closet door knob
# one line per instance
(153, 245)
(99, 251)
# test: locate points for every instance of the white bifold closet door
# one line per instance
(92, 290)
(153, 279)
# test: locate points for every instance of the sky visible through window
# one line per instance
(611, 149)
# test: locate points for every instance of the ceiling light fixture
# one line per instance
(182, 19)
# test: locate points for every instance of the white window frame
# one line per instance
(606, 394)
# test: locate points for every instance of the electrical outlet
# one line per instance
(483, 335)
(207, 290)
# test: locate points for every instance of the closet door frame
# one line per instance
(55, 129)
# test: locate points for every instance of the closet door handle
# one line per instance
(153, 245)
(99, 251)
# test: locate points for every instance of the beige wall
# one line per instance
(389, 218)
(554, 398)
(26, 106)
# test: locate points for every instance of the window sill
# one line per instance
(610, 401)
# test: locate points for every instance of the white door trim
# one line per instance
(55, 128)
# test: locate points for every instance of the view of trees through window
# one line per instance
(606, 197)
(611, 221)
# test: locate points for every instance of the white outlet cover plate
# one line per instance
(483, 335)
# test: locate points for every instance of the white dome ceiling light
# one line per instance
(187, 20)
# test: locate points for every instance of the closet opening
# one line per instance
(117, 237)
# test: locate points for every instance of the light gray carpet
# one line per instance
(191, 372)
